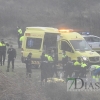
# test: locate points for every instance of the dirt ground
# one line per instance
(15, 86)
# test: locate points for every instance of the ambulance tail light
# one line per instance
(27, 34)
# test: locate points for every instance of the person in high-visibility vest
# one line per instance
(68, 68)
(96, 73)
(21, 40)
(83, 69)
(77, 67)
(2, 52)
(50, 64)
(64, 60)
(54, 56)
(19, 31)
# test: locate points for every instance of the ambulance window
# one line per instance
(65, 46)
(33, 43)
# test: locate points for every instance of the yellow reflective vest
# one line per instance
(97, 66)
(77, 63)
(1, 44)
(21, 38)
(19, 31)
(83, 65)
(49, 57)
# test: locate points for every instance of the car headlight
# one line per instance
(84, 58)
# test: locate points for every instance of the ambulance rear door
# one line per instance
(34, 44)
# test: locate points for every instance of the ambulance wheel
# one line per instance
(35, 66)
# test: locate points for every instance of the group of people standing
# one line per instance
(78, 67)
(49, 62)
(11, 54)
(48, 65)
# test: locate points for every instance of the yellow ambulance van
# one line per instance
(37, 39)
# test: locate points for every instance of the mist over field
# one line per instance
(80, 15)
(75, 14)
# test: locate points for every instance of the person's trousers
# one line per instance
(55, 70)
(12, 61)
(43, 76)
(96, 72)
(19, 45)
(50, 70)
(28, 70)
(68, 72)
(83, 73)
(77, 71)
(2, 58)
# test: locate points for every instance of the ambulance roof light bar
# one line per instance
(65, 30)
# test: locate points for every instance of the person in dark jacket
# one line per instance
(54, 55)
(2, 52)
(77, 67)
(69, 68)
(28, 62)
(64, 61)
(50, 64)
(11, 57)
(44, 66)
